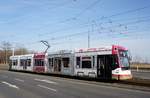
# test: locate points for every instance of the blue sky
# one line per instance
(66, 23)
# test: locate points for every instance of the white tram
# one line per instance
(111, 62)
(61, 62)
(22, 62)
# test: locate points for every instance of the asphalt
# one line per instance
(142, 74)
(25, 85)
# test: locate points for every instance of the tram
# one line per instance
(111, 62)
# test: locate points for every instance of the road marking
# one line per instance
(42, 86)
(10, 85)
(19, 79)
(46, 81)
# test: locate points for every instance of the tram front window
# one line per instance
(124, 59)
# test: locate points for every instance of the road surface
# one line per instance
(24, 85)
(141, 74)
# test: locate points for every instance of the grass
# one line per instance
(140, 65)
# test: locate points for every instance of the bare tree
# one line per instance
(21, 51)
(5, 52)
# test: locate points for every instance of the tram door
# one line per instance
(24, 67)
(23, 63)
(104, 66)
(57, 64)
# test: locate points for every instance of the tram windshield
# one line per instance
(124, 58)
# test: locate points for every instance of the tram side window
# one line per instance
(93, 61)
(65, 62)
(39, 62)
(50, 60)
(25, 62)
(28, 62)
(42, 62)
(22, 62)
(15, 62)
(86, 62)
(78, 65)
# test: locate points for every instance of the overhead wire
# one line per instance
(107, 17)
(87, 8)
(126, 12)
(114, 15)
(80, 33)
(75, 17)
(106, 28)
(30, 15)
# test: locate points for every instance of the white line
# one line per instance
(19, 79)
(46, 81)
(47, 88)
(10, 85)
